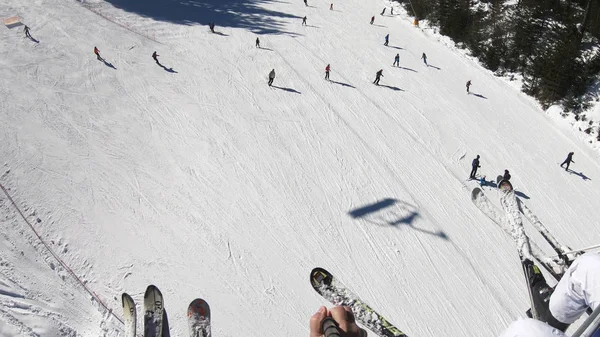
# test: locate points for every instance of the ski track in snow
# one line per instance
(207, 183)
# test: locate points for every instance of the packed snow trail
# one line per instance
(207, 183)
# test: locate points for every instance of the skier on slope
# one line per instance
(304, 21)
(574, 293)
(372, 19)
(424, 58)
(27, 34)
(331, 7)
(97, 52)
(475, 165)
(155, 57)
(468, 86)
(257, 42)
(378, 76)
(387, 40)
(506, 175)
(568, 161)
(271, 77)
(211, 25)
(305, 3)
(383, 11)
(392, 11)
(327, 70)
(396, 60)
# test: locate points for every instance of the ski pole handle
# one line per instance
(329, 327)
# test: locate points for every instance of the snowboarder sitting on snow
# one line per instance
(304, 21)
(568, 161)
(396, 60)
(475, 165)
(424, 58)
(257, 43)
(372, 19)
(97, 52)
(468, 85)
(271, 77)
(155, 57)
(387, 40)
(378, 76)
(506, 175)
(327, 70)
(574, 293)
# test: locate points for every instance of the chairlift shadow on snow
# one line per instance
(343, 84)
(392, 212)
(583, 176)
(286, 89)
(245, 14)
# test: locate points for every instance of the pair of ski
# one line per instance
(509, 219)
(198, 314)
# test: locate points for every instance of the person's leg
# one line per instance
(531, 328)
(578, 289)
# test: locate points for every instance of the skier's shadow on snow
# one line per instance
(108, 64)
(263, 48)
(478, 95)
(219, 33)
(169, 70)
(434, 67)
(390, 87)
(33, 39)
(311, 26)
(583, 176)
(166, 331)
(287, 89)
(408, 69)
(395, 47)
(379, 25)
(521, 195)
(392, 212)
(343, 84)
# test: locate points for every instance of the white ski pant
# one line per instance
(577, 289)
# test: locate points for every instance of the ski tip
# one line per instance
(319, 277)
(199, 307)
(152, 288)
(126, 299)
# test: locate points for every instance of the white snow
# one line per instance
(207, 183)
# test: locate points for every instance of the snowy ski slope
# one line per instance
(202, 180)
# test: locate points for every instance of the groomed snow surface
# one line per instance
(199, 178)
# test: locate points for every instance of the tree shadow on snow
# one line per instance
(392, 212)
(343, 84)
(583, 176)
(287, 89)
(246, 14)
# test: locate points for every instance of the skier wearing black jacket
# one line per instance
(475, 165)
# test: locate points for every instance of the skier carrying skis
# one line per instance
(257, 42)
(97, 52)
(396, 60)
(387, 40)
(304, 21)
(271, 77)
(424, 58)
(327, 70)
(372, 19)
(378, 76)
(506, 175)
(475, 165)
(27, 32)
(155, 57)
(468, 86)
(574, 293)
(568, 161)
(383, 11)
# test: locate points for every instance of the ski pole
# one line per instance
(590, 325)
(579, 250)
(329, 327)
